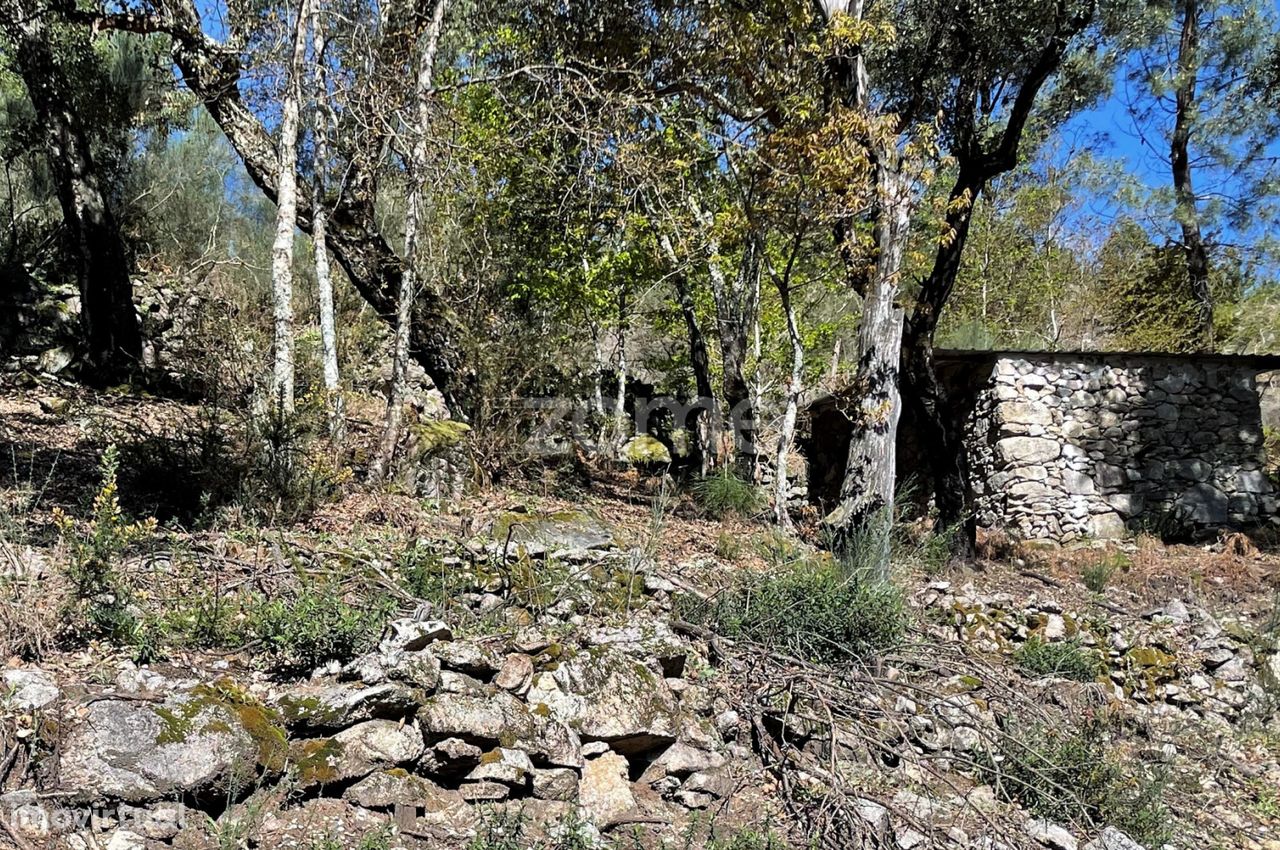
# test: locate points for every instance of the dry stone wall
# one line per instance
(1072, 446)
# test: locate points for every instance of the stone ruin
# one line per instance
(1064, 446)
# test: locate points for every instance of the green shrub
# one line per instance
(1098, 575)
(377, 839)
(316, 625)
(103, 596)
(421, 570)
(810, 610)
(746, 839)
(728, 547)
(725, 494)
(1072, 775)
(1067, 659)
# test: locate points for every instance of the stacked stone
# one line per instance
(1101, 446)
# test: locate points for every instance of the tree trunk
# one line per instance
(324, 280)
(286, 221)
(212, 71)
(942, 434)
(863, 520)
(787, 431)
(412, 235)
(621, 432)
(1180, 159)
(704, 420)
(735, 311)
(109, 322)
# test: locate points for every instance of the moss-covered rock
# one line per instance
(606, 695)
(646, 449)
(213, 737)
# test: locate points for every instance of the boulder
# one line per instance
(408, 635)
(555, 783)
(487, 721)
(1049, 834)
(1022, 451)
(605, 793)
(385, 789)
(1107, 526)
(606, 695)
(138, 751)
(354, 753)
(643, 641)
(1113, 839)
(1025, 413)
(1203, 504)
(505, 765)
(337, 706)
(381, 742)
(551, 534)
(515, 674)
(465, 656)
(645, 449)
(451, 758)
(27, 689)
(484, 792)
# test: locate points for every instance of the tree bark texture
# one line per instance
(324, 279)
(282, 370)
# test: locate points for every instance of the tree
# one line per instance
(112, 337)
(996, 60)
(286, 221)
(322, 121)
(419, 126)
(213, 70)
(1201, 115)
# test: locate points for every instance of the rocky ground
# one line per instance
(524, 668)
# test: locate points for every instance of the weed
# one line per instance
(316, 625)
(1067, 659)
(377, 839)
(101, 593)
(746, 839)
(422, 572)
(1266, 802)
(725, 494)
(811, 610)
(1071, 775)
(932, 551)
(1098, 574)
(728, 547)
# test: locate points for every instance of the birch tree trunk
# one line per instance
(428, 48)
(319, 225)
(787, 431)
(286, 222)
(621, 433)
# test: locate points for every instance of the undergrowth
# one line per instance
(1067, 659)
(1072, 775)
(725, 494)
(317, 624)
(810, 609)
